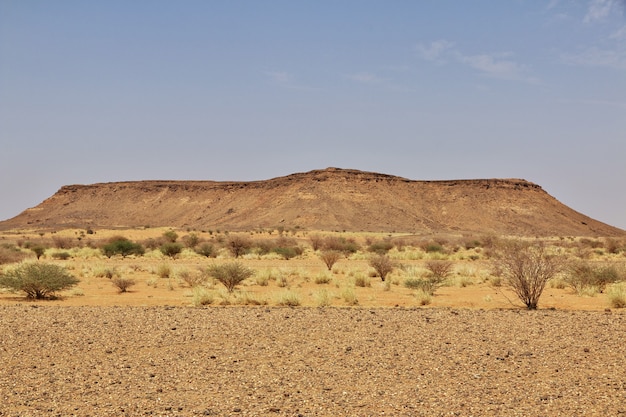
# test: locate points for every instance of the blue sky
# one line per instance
(245, 90)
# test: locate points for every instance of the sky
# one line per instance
(240, 90)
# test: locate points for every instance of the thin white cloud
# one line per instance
(434, 51)
(596, 57)
(286, 80)
(366, 78)
(600, 10)
(492, 65)
(280, 77)
(619, 35)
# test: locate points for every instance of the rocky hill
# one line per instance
(332, 199)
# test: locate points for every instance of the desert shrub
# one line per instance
(288, 252)
(39, 250)
(38, 280)
(10, 254)
(191, 240)
(526, 269)
(382, 265)
(170, 236)
(288, 298)
(61, 255)
(413, 283)
(238, 245)
(152, 243)
(62, 242)
(316, 242)
(432, 247)
(122, 246)
(617, 296)
(341, 244)
(330, 257)
(380, 247)
(230, 274)
(192, 279)
(123, 283)
(207, 250)
(439, 269)
(582, 276)
(171, 249)
(614, 246)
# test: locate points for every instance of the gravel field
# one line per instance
(259, 361)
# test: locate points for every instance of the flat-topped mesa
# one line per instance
(329, 199)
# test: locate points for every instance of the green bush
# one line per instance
(61, 255)
(583, 276)
(288, 252)
(206, 250)
(171, 249)
(230, 274)
(122, 246)
(39, 250)
(38, 280)
(380, 247)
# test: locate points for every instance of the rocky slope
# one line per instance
(330, 199)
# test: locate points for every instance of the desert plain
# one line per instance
(297, 339)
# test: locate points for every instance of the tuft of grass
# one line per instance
(152, 282)
(617, 296)
(77, 292)
(349, 297)
(288, 298)
(282, 281)
(164, 271)
(423, 297)
(202, 297)
(361, 280)
(322, 278)
(247, 299)
(322, 298)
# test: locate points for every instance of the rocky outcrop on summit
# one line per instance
(332, 199)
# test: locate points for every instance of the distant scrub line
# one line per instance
(525, 266)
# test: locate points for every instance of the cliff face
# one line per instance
(330, 199)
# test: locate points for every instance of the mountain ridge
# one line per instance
(332, 199)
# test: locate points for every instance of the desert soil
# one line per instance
(265, 361)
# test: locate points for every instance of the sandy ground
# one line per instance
(265, 361)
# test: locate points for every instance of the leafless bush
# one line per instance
(238, 245)
(382, 265)
(123, 283)
(10, 254)
(330, 257)
(526, 269)
(61, 242)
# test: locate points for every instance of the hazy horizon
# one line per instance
(152, 90)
